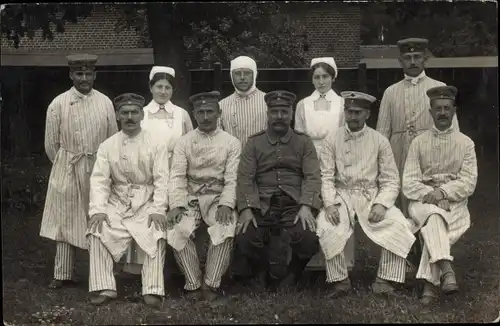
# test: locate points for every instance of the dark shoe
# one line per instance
(58, 284)
(338, 289)
(382, 287)
(449, 283)
(100, 300)
(430, 294)
(153, 301)
(193, 294)
(211, 294)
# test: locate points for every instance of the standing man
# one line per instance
(78, 121)
(203, 189)
(278, 194)
(404, 109)
(439, 176)
(360, 183)
(244, 112)
(128, 201)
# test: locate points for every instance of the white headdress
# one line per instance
(244, 62)
(329, 61)
(157, 69)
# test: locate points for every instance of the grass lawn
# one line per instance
(28, 263)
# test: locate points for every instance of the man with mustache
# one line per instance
(128, 201)
(202, 188)
(403, 112)
(440, 175)
(78, 121)
(278, 196)
(360, 183)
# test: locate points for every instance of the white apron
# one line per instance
(322, 119)
(164, 130)
(322, 116)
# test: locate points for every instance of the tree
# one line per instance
(212, 32)
(215, 31)
(462, 28)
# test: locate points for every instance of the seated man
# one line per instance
(360, 179)
(203, 187)
(440, 174)
(279, 183)
(128, 191)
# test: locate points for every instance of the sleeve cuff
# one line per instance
(227, 203)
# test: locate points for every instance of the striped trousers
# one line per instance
(101, 269)
(391, 268)
(64, 262)
(437, 240)
(218, 258)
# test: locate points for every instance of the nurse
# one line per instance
(168, 122)
(319, 116)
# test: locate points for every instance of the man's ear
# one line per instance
(95, 75)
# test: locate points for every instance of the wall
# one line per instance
(94, 32)
(333, 29)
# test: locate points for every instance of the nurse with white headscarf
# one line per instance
(244, 112)
(168, 122)
(319, 116)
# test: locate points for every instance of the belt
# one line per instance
(77, 157)
(410, 130)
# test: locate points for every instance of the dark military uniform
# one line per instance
(276, 176)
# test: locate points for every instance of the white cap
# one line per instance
(157, 69)
(329, 61)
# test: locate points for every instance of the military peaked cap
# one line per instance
(129, 99)
(82, 61)
(353, 99)
(410, 45)
(449, 92)
(279, 98)
(204, 99)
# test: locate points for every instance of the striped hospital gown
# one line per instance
(444, 159)
(404, 114)
(129, 182)
(243, 116)
(76, 125)
(358, 171)
(203, 177)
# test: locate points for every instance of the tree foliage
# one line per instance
(454, 29)
(211, 32)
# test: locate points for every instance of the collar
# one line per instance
(273, 138)
(330, 95)
(437, 132)
(154, 107)
(241, 95)
(204, 134)
(417, 79)
(76, 94)
(354, 134)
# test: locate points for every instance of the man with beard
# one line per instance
(78, 121)
(403, 113)
(128, 201)
(244, 111)
(440, 175)
(278, 195)
(360, 183)
(203, 189)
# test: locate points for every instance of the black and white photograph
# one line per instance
(240, 162)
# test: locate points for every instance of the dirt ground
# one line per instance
(28, 263)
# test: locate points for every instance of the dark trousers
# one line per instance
(268, 246)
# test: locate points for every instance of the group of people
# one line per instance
(272, 196)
